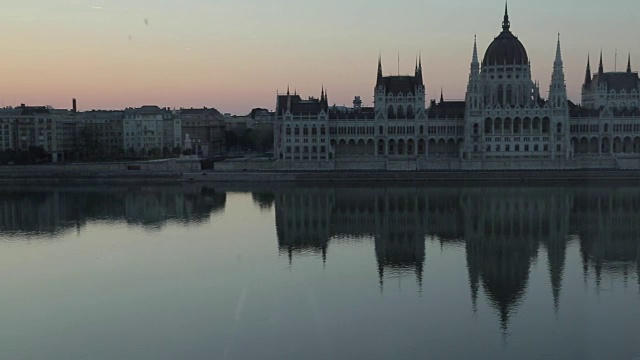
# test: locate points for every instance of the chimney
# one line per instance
(75, 106)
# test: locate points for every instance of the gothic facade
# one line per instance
(503, 123)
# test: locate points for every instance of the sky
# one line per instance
(235, 55)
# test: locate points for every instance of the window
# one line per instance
(517, 148)
(559, 148)
(546, 147)
(535, 147)
(526, 147)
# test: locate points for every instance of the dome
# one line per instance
(505, 49)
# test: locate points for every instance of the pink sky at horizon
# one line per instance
(235, 54)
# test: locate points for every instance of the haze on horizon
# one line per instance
(235, 54)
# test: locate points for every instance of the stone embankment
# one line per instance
(442, 177)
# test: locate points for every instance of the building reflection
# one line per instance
(503, 229)
(51, 210)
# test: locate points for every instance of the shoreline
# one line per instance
(331, 176)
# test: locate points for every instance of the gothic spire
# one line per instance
(420, 79)
(587, 76)
(558, 88)
(288, 98)
(600, 67)
(474, 60)
(380, 80)
(558, 52)
(506, 25)
(629, 64)
(441, 95)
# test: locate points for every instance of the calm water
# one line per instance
(319, 272)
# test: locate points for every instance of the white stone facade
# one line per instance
(504, 123)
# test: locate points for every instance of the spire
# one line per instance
(322, 93)
(288, 98)
(419, 75)
(380, 80)
(474, 60)
(587, 76)
(506, 25)
(600, 67)
(441, 96)
(629, 64)
(558, 88)
(558, 52)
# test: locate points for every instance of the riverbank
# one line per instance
(523, 176)
(35, 175)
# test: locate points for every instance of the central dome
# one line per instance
(505, 49)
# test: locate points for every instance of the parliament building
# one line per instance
(503, 123)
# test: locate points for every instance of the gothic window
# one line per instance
(288, 131)
(314, 131)
(488, 125)
(400, 112)
(475, 128)
(297, 131)
(559, 128)
(305, 131)
(391, 113)
(500, 95)
(509, 100)
(410, 114)
(322, 131)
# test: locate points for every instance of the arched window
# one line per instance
(500, 95)
(400, 112)
(559, 128)
(391, 113)
(410, 114)
(476, 128)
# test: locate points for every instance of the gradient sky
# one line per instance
(235, 54)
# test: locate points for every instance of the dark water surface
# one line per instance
(319, 272)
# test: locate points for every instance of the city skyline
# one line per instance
(236, 55)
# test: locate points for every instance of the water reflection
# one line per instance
(501, 229)
(51, 210)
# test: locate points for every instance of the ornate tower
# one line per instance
(558, 88)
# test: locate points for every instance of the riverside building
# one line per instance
(503, 123)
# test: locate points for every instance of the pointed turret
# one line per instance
(587, 77)
(441, 95)
(473, 97)
(506, 25)
(600, 67)
(419, 74)
(474, 59)
(288, 99)
(629, 64)
(380, 80)
(558, 88)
